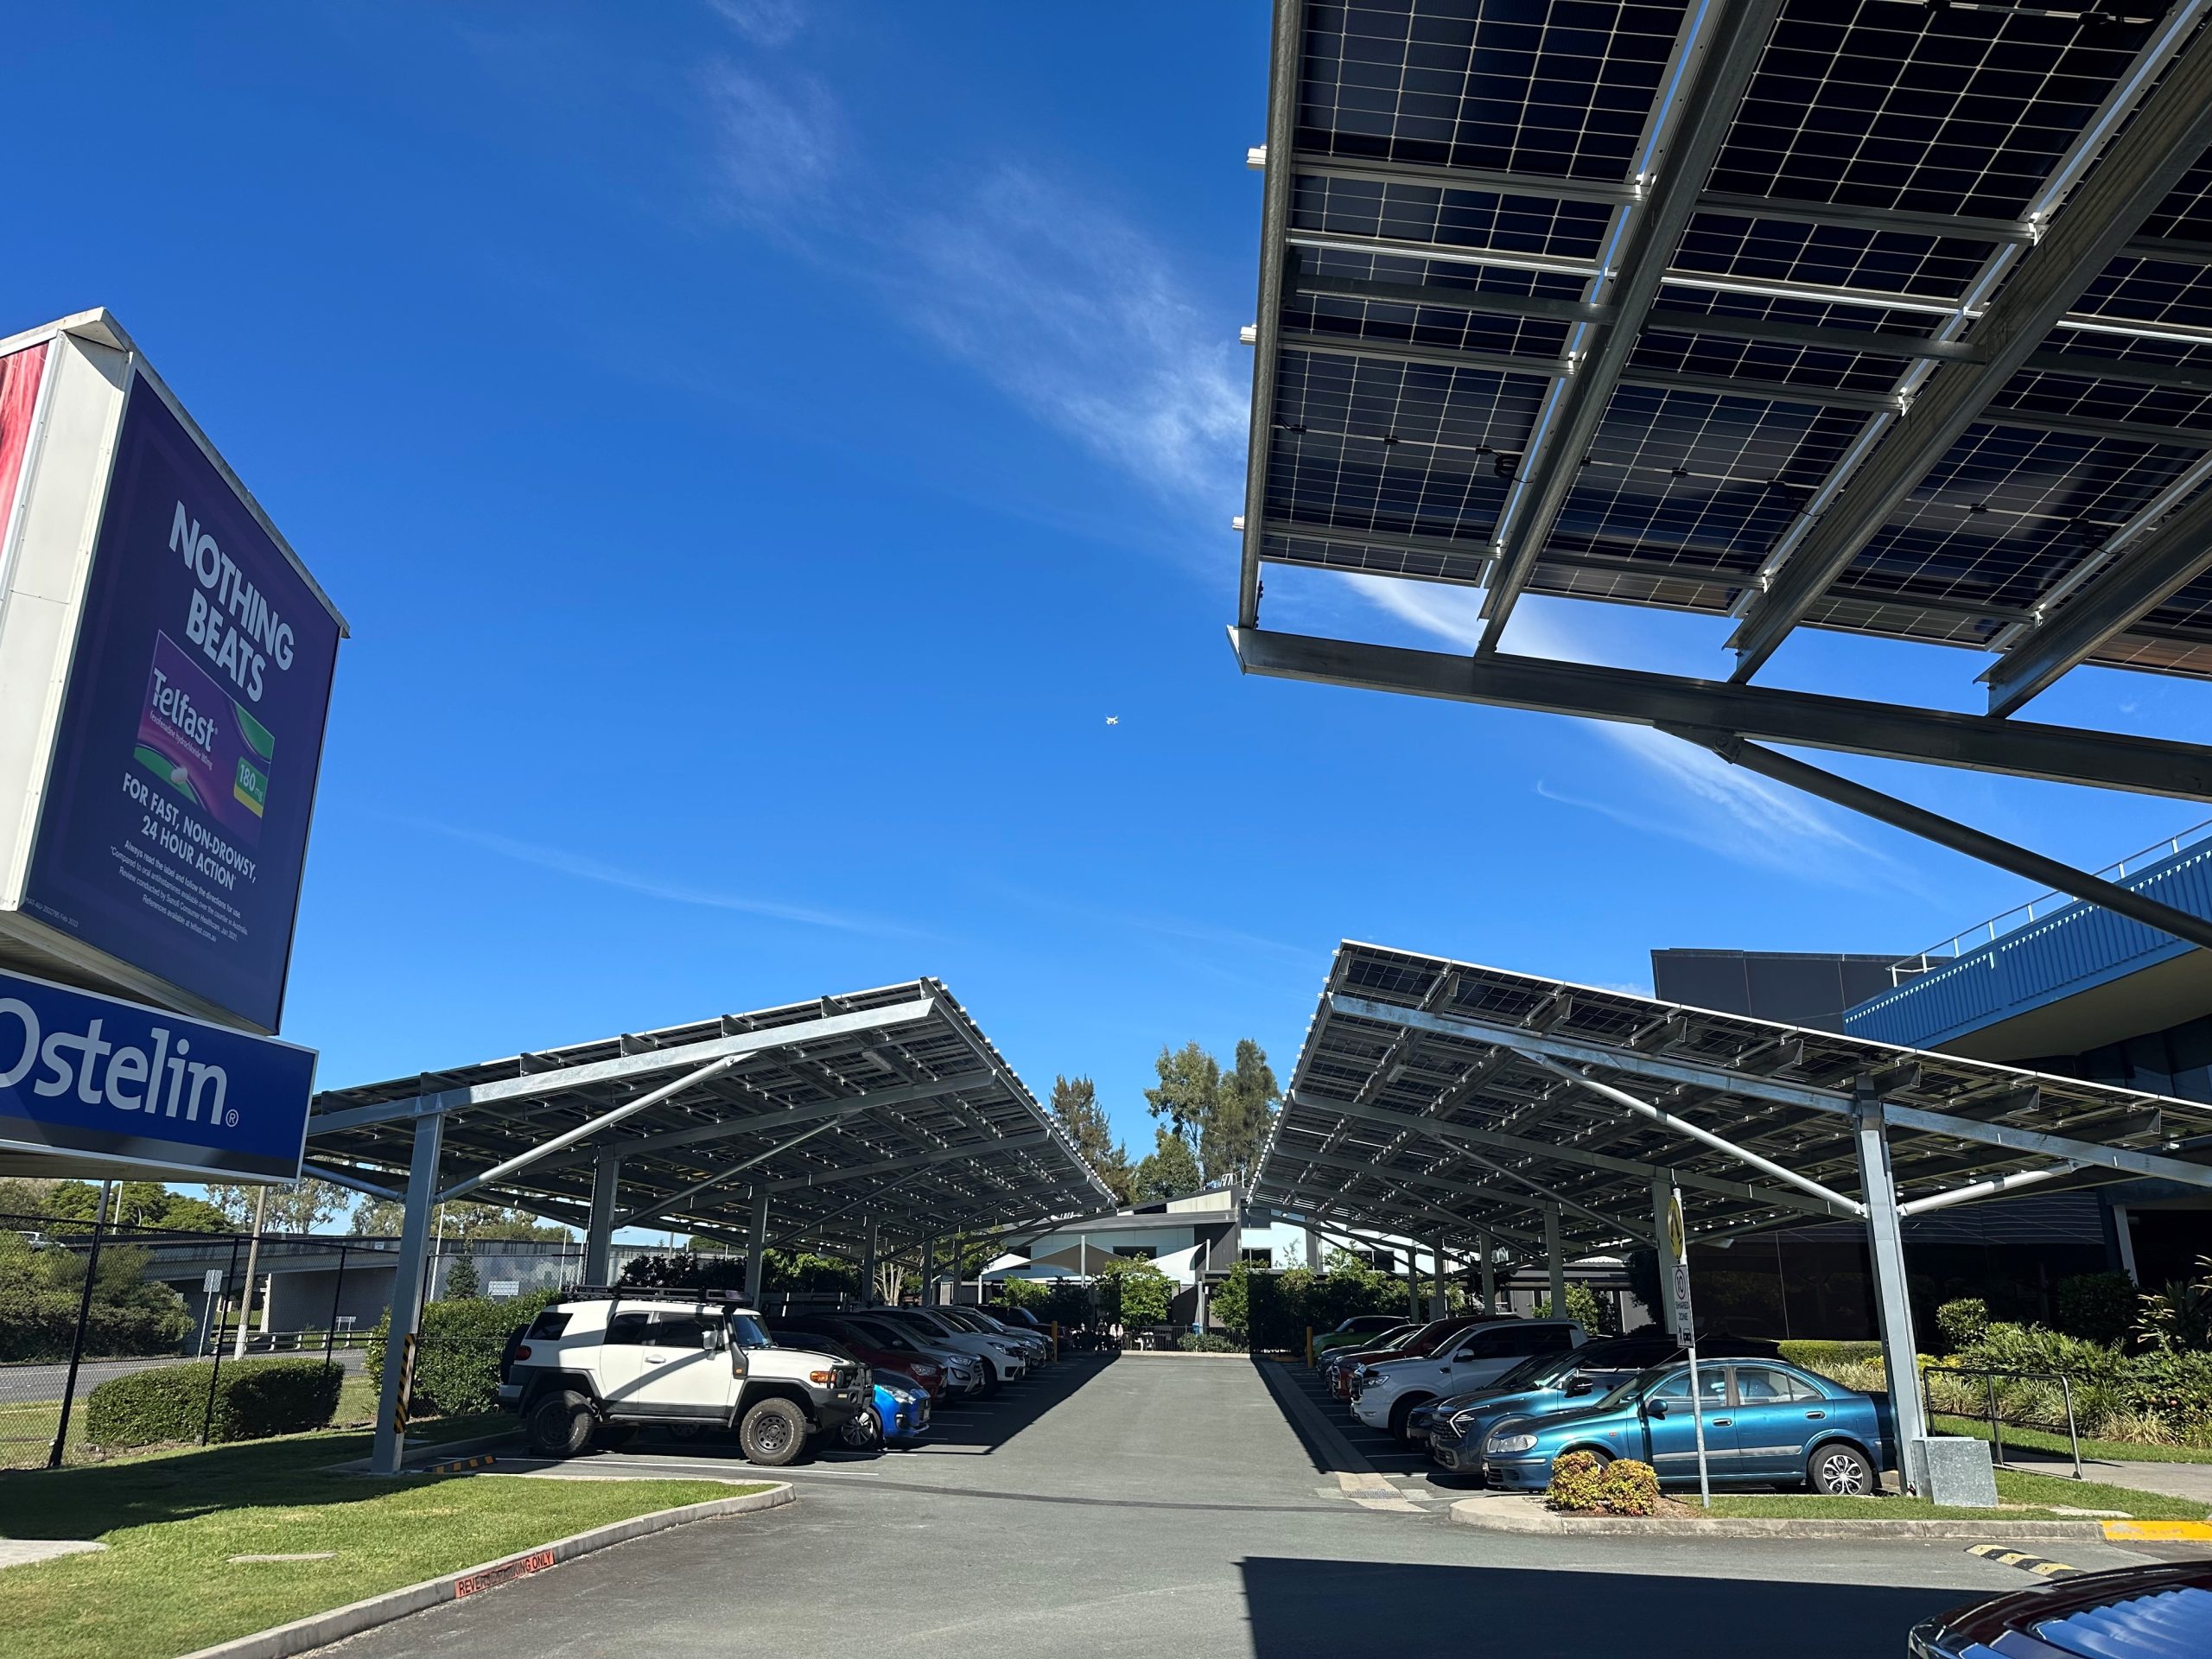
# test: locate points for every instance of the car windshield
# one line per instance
(885, 1336)
(745, 1332)
(1635, 1387)
(1537, 1369)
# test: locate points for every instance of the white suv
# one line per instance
(607, 1364)
(1385, 1392)
(1002, 1354)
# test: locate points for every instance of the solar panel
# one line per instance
(1458, 179)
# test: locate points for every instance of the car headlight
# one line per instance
(1462, 1422)
(1505, 1445)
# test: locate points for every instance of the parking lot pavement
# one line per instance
(1164, 1509)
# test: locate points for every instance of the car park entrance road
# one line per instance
(1166, 1505)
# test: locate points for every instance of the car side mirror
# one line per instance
(1581, 1385)
(1654, 1407)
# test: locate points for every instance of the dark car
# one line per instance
(2137, 1612)
(865, 1346)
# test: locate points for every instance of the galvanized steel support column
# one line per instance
(756, 1249)
(928, 1269)
(1555, 1260)
(1662, 1200)
(867, 1265)
(389, 1450)
(2120, 1223)
(1437, 1308)
(1893, 1304)
(599, 1236)
(1413, 1281)
(1489, 1272)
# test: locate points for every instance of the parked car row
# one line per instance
(602, 1364)
(1450, 1386)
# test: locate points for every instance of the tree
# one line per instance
(299, 1208)
(462, 1282)
(1170, 1171)
(1134, 1291)
(1244, 1114)
(384, 1217)
(1225, 1116)
(1077, 1110)
(132, 1203)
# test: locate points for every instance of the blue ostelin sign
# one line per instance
(88, 1074)
(175, 823)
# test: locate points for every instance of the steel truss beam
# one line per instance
(1849, 725)
(1931, 826)
(2143, 575)
(1283, 67)
(1703, 1075)
(1712, 89)
(534, 1086)
(1457, 1189)
(2170, 130)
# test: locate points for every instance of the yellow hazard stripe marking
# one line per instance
(2006, 1556)
(2160, 1532)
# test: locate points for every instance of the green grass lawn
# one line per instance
(171, 1520)
(2109, 1450)
(2039, 1491)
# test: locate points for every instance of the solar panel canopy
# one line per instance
(887, 1105)
(1864, 315)
(1433, 1096)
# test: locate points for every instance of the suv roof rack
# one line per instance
(654, 1294)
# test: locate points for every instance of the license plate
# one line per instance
(1416, 1435)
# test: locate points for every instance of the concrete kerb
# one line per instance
(1501, 1513)
(320, 1630)
(443, 1451)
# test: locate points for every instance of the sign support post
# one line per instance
(1677, 1242)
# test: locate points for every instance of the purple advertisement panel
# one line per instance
(175, 819)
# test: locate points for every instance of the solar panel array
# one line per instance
(947, 1136)
(1418, 1128)
(1461, 176)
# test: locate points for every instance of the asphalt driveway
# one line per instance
(1161, 1506)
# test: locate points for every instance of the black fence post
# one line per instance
(77, 1340)
(337, 1290)
(207, 1418)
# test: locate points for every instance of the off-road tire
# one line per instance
(1838, 1471)
(774, 1433)
(559, 1423)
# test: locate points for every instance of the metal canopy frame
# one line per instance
(866, 1123)
(1908, 392)
(1435, 1093)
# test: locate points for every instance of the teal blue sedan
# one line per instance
(1767, 1423)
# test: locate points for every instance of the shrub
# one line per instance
(461, 1281)
(40, 1291)
(457, 1357)
(254, 1399)
(2095, 1307)
(1822, 1357)
(2175, 1388)
(1204, 1342)
(1577, 1482)
(2031, 1348)
(1961, 1322)
(1628, 1487)
(2179, 1317)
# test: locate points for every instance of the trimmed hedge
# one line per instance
(1815, 1355)
(457, 1357)
(1629, 1487)
(254, 1399)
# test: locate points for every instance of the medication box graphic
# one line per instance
(194, 739)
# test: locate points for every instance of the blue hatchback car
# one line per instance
(899, 1414)
(1767, 1423)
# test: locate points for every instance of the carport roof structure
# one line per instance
(1438, 1098)
(1888, 318)
(886, 1105)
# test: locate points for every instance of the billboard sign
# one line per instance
(121, 1083)
(173, 826)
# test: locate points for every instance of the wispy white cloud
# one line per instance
(1734, 814)
(564, 862)
(764, 22)
(1083, 320)
(778, 143)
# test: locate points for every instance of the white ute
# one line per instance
(1384, 1394)
(604, 1363)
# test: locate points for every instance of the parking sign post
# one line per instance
(1678, 1273)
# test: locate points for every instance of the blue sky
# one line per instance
(758, 446)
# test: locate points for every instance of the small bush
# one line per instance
(1961, 1322)
(254, 1399)
(1577, 1482)
(1628, 1487)
(2095, 1307)
(1819, 1356)
(457, 1357)
(1206, 1341)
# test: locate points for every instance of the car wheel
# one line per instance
(774, 1433)
(860, 1431)
(559, 1424)
(1402, 1413)
(1837, 1471)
